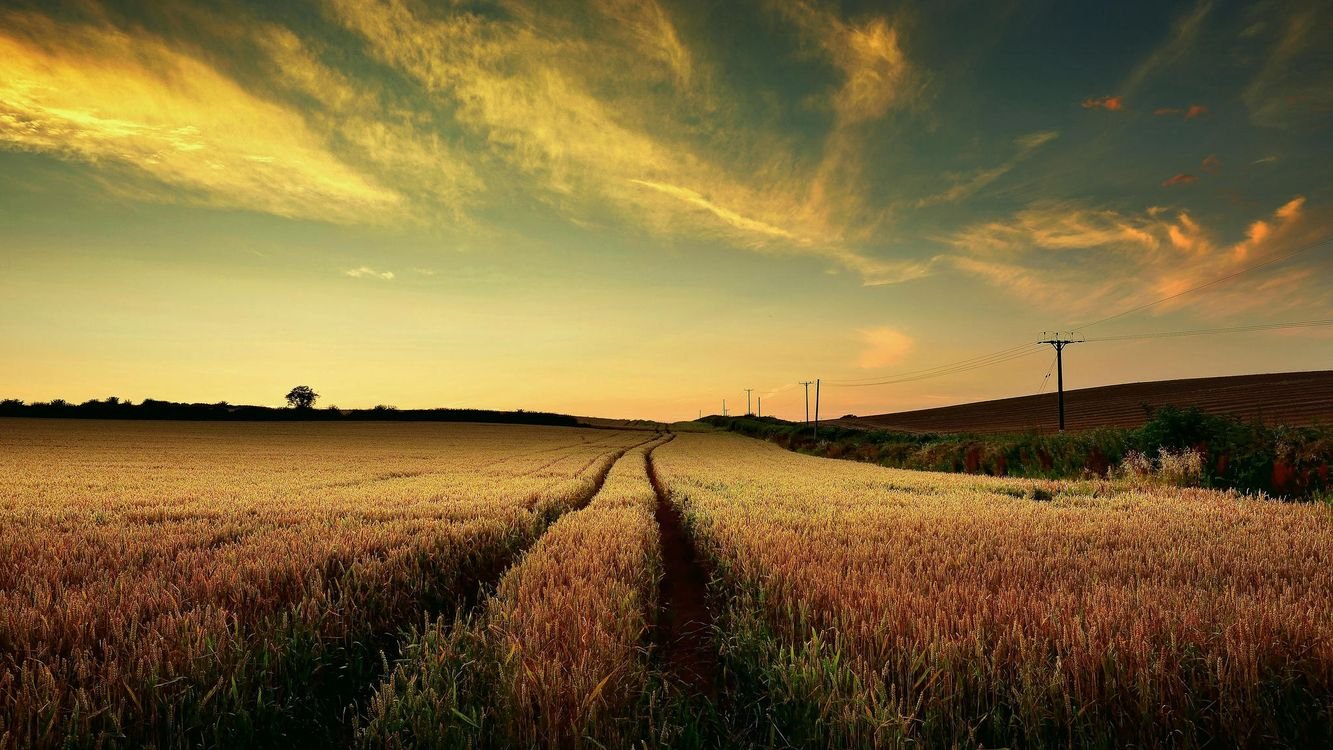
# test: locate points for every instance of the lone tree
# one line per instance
(301, 397)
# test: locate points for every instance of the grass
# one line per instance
(1291, 462)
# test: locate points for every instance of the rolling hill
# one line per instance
(1291, 398)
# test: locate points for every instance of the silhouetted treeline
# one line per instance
(1237, 454)
(114, 408)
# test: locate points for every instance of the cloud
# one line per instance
(1183, 34)
(1086, 261)
(884, 346)
(1111, 103)
(746, 226)
(1179, 179)
(1189, 113)
(567, 110)
(366, 272)
(1053, 225)
(1211, 164)
(1294, 86)
(876, 73)
(124, 100)
(978, 180)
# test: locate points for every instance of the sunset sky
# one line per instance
(629, 209)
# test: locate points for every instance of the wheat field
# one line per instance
(423, 585)
(878, 607)
(176, 584)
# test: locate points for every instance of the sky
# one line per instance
(639, 208)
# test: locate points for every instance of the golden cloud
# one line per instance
(534, 91)
(102, 96)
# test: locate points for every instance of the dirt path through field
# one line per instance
(328, 722)
(684, 629)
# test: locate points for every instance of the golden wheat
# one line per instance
(151, 572)
(561, 651)
(910, 606)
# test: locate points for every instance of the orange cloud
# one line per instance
(1212, 164)
(1112, 103)
(1194, 110)
(1180, 179)
(1136, 258)
(883, 347)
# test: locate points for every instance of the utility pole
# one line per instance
(816, 435)
(807, 383)
(1055, 340)
(724, 407)
(748, 411)
(761, 406)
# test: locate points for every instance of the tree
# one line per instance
(301, 397)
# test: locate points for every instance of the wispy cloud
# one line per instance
(1184, 32)
(366, 272)
(967, 186)
(1084, 260)
(563, 108)
(1178, 179)
(104, 97)
(1295, 82)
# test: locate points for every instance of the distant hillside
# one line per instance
(1290, 398)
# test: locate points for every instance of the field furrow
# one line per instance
(561, 655)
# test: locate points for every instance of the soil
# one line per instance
(685, 623)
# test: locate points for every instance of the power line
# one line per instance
(1046, 379)
(959, 363)
(1018, 353)
(1303, 249)
(1212, 331)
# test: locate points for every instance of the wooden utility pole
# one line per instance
(748, 411)
(761, 406)
(816, 431)
(807, 383)
(1055, 340)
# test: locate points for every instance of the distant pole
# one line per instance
(761, 406)
(724, 407)
(807, 383)
(1060, 343)
(816, 434)
(748, 411)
